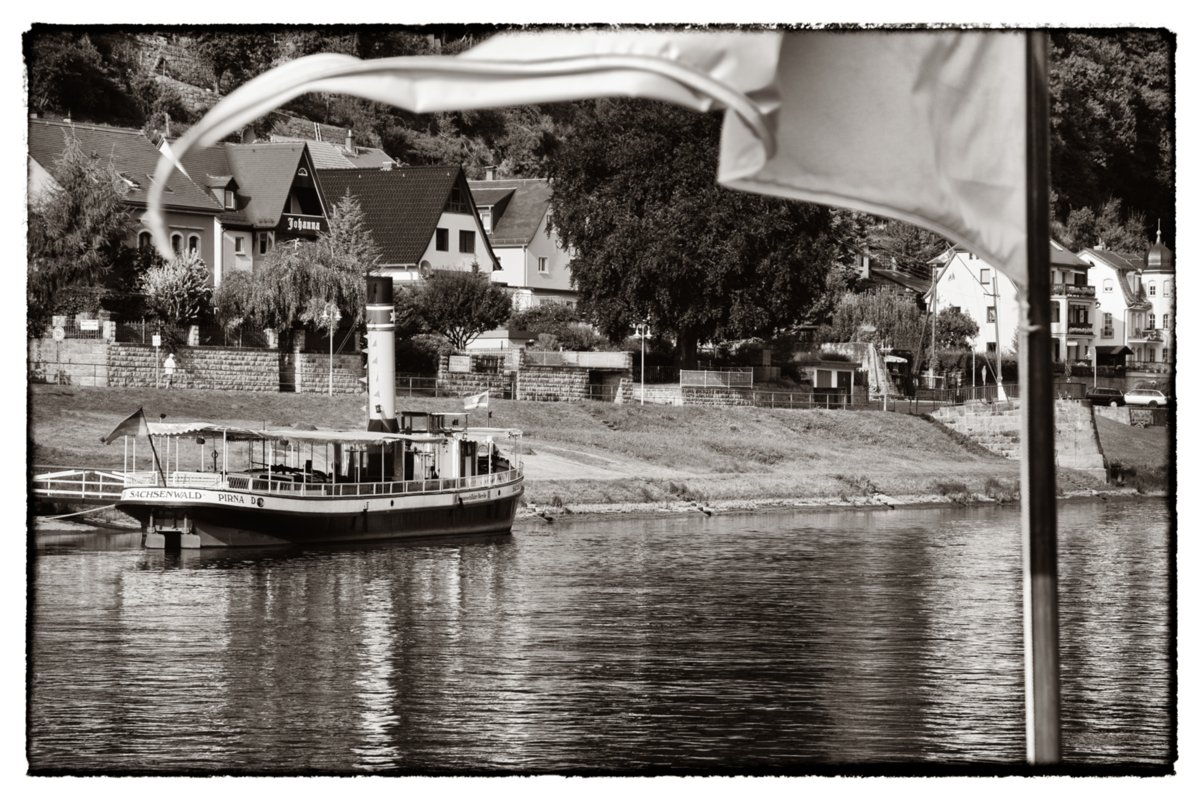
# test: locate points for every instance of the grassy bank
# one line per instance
(588, 454)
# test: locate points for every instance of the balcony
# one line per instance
(1080, 330)
(1079, 291)
(1146, 334)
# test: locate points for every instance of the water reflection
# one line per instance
(672, 644)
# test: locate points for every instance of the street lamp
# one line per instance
(331, 316)
(642, 330)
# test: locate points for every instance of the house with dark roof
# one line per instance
(191, 212)
(534, 264)
(982, 292)
(268, 194)
(872, 276)
(421, 217)
(1136, 296)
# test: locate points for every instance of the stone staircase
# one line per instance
(997, 427)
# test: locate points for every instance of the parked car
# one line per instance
(1146, 398)
(1105, 396)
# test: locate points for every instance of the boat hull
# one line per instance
(206, 518)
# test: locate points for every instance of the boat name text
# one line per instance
(184, 495)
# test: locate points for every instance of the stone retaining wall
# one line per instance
(629, 392)
(133, 365)
(998, 428)
(715, 397)
(312, 373)
(73, 361)
(552, 383)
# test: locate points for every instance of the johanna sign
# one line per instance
(311, 225)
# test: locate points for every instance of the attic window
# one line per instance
(230, 200)
(129, 181)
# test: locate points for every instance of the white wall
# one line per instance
(959, 286)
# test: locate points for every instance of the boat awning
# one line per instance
(1113, 351)
(233, 433)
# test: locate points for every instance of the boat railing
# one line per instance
(257, 484)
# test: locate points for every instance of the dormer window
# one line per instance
(485, 217)
(129, 181)
(230, 199)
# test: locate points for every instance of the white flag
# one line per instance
(476, 401)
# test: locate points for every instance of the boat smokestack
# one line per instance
(381, 356)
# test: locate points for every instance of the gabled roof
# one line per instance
(263, 173)
(882, 276)
(328, 155)
(131, 155)
(401, 206)
(515, 220)
(1123, 263)
(1059, 256)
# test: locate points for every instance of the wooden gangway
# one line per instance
(79, 486)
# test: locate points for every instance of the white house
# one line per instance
(534, 264)
(1136, 295)
(980, 291)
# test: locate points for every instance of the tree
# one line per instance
(905, 246)
(233, 300)
(76, 241)
(349, 252)
(1112, 123)
(886, 317)
(177, 292)
(234, 58)
(955, 329)
(460, 305)
(556, 326)
(1109, 227)
(655, 237)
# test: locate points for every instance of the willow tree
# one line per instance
(887, 317)
(303, 282)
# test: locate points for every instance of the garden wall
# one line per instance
(133, 365)
(552, 383)
(72, 361)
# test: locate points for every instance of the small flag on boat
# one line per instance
(134, 425)
(478, 400)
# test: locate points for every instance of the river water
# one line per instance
(751, 643)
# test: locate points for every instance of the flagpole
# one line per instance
(1038, 511)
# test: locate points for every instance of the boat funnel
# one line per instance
(381, 356)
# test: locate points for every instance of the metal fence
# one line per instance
(734, 378)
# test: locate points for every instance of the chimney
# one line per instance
(1100, 245)
(350, 142)
(489, 173)
(864, 267)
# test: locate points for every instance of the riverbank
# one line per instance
(598, 458)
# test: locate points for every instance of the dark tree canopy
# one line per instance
(1112, 124)
(655, 237)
